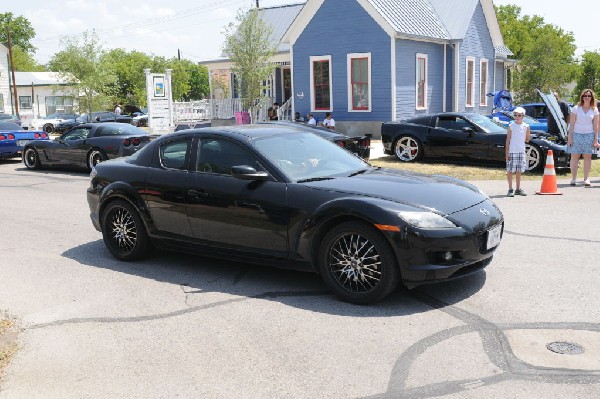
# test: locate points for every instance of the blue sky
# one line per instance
(195, 26)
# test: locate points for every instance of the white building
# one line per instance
(5, 105)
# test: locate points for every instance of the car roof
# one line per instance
(247, 132)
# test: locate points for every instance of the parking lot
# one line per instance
(185, 326)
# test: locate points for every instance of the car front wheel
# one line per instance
(357, 264)
(408, 149)
(31, 159)
(95, 157)
(534, 157)
(48, 128)
(124, 232)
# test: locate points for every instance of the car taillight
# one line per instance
(44, 136)
(2, 137)
(341, 143)
(11, 136)
(36, 135)
(365, 143)
(126, 142)
(136, 141)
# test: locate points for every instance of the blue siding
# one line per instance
(477, 43)
(338, 28)
(450, 51)
(499, 78)
(406, 52)
(277, 86)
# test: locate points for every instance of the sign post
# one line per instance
(160, 101)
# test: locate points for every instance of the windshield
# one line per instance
(306, 156)
(486, 124)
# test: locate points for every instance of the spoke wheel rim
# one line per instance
(407, 149)
(355, 263)
(122, 230)
(95, 158)
(533, 157)
(29, 158)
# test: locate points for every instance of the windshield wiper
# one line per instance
(360, 172)
(314, 179)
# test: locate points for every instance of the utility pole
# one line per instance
(257, 6)
(12, 70)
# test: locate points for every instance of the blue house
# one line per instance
(370, 61)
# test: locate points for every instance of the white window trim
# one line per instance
(483, 101)
(349, 69)
(467, 105)
(312, 83)
(420, 55)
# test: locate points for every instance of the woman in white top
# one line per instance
(583, 135)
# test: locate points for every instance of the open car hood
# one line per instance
(554, 109)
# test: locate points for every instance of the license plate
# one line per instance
(493, 238)
(22, 143)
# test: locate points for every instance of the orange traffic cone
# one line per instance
(549, 180)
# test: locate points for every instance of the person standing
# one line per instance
(328, 122)
(274, 112)
(118, 109)
(552, 123)
(583, 135)
(517, 135)
(311, 120)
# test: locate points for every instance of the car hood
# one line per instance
(443, 194)
(554, 108)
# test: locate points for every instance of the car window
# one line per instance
(452, 123)
(175, 154)
(122, 130)
(76, 134)
(219, 156)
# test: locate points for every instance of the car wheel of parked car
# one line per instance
(534, 157)
(408, 149)
(31, 159)
(357, 264)
(123, 231)
(95, 156)
(48, 128)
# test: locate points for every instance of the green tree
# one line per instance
(21, 31)
(130, 85)
(199, 87)
(81, 60)
(249, 44)
(589, 73)
(545, 53)
(25, 62)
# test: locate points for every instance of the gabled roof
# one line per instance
(42, 79)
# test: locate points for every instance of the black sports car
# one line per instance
(464, 138)
(359, 145)
(275, 195)
(85, 145)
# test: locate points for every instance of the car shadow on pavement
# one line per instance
(57, 171)
(203, 280)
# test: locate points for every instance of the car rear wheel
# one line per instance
(124, 232)
(534, 157)
(31, 159)
(357, 264)
(95, 156)
(408, 149)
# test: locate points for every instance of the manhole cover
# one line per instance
(565, 348)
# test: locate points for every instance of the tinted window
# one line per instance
(76, 134)
(219, 156)
(121, 130)
(175, 154)
(420, 120)
(452, 123)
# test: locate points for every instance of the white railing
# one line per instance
(192, 112)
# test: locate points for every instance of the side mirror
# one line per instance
(468, 130)
(97, 119)
(245, 172)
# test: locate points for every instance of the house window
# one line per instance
(470, 81)
(25, 102)
(359, 79)
(60, 104)
(1, 102)
(421, 81)
(483, 78)
(320, 76)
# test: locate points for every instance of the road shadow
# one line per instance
(199, 275)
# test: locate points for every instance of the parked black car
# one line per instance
(86, 145)
(104, 116)
(276, 195)
(359, 145)
(463, 138)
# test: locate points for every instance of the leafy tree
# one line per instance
(21, 31)
(199, 87)
(589, 73)
(250, 48)
(25, 62)
(545, 53)
(130, 85)
(81, 60)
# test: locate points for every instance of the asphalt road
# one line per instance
(190, 327)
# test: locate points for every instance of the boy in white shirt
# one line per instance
(517, 135)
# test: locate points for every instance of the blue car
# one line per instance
(506, 117)
(537, 111)
(13, 138)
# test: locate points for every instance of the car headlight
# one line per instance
(426, 220)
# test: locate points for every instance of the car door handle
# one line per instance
(197, 194)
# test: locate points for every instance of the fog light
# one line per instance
(446, 256)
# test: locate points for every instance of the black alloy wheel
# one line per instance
(408, 149)
(31, 159)
(48, 128)
(124, 232)
(357, 264)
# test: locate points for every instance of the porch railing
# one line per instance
(195, 111)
